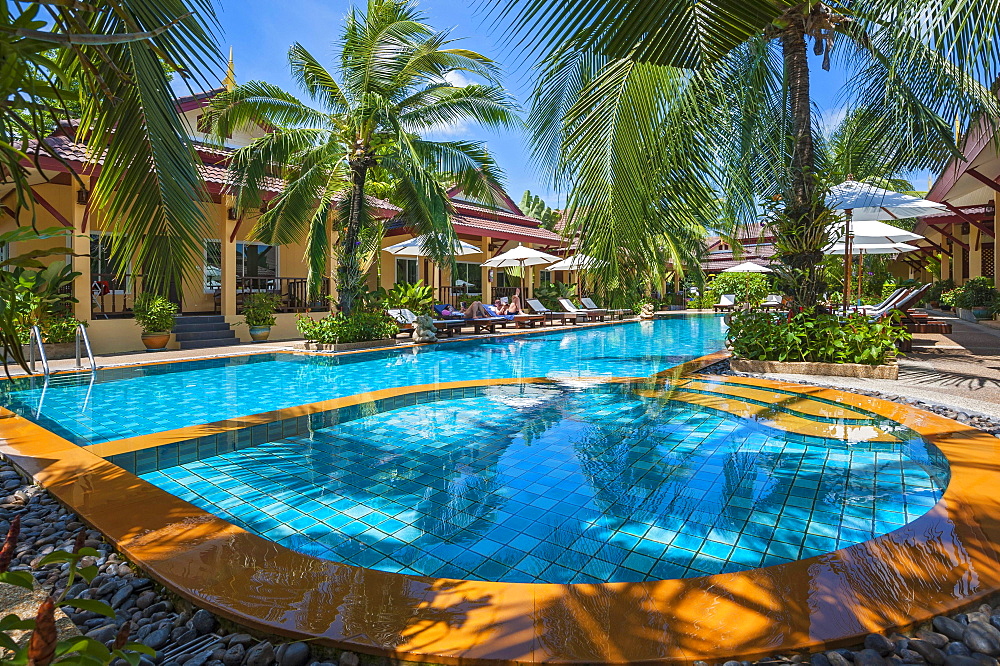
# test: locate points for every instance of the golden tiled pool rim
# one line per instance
(946, 559)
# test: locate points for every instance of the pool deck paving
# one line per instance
(960, 370)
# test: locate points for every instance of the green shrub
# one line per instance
(938, 289)
(60, 329)
(550, 293)
(976, 293)
(344, 329)
(814, 337)
(154, 313)
(749, 288)
(258, 309)
(418, 298)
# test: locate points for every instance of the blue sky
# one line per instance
(260, 33)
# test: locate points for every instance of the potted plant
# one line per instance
(258, 315)
(155, 316)
(976, 298)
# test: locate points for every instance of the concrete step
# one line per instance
(201, 319)
(215, 342)
(194, 328)
(205, 335)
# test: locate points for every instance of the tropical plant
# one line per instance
(659, 118)
(259, 309)
(26, 294)
(939, 287)
(550, 293)
(417, 297)
(389, 86)
(815, 337)
(749, 288)
(43, 647)
(532, 205)
(344, 329)
(977, 292)
(55, 330)
(154, 313)
(110, 59)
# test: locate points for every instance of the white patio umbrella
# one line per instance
(871, 248)
(414, 247)
(866, 204)
(575, 263)
(748, 267)
(521, 256)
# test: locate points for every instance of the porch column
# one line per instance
(945, 259)
(487, 295)
(227, 262)
(975, 252)
(83, 309)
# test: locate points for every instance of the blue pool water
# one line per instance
(128, 402)
(530, 483)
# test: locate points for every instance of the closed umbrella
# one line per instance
(866, 203)
(520, 257)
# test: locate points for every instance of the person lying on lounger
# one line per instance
(474, 311)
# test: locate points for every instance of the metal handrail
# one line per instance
(35, 339)
(81, 334)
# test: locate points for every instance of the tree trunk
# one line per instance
(349, 271)
(793, 46)
(801, 229)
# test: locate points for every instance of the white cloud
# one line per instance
(457, 78)
(830, 118)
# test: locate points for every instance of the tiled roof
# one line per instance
(758, 254)
(537, 234)
(481, 212)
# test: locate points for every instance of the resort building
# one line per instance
(964, 237)
(756, 246)
(234, 265)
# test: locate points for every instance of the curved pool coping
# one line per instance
(946, 559)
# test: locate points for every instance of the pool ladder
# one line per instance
(81, 340)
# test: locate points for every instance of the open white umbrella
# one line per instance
(520, 257)
(575, 263)
(866, 204)
(414, 247)
(872, 248)
(748, 267)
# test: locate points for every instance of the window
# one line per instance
(253, 260)
(545, 277)
(105, 268)
(468, 278)
(5, 252)
(407, 270)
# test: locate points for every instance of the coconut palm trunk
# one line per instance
(793, 47)
(349, 269)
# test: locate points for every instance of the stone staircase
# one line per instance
(197, 332)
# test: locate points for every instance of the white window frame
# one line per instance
(128, 280)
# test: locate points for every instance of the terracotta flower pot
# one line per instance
(260, 333)
(155, 341)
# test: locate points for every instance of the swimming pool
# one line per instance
(134, 401)
(549, 484)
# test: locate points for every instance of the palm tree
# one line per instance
(389, 86)
(110, 60)
(650, 106)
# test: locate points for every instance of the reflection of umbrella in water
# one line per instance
(572, 381)
(521, 396)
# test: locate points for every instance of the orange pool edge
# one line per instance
(946, 559)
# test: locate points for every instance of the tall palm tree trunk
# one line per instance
(349, 269)
(793, 46)
(802, 233)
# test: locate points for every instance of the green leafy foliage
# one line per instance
(154, 313)
(938, 289)
(814, 337)
(532, 205)
(416, 297)
(344, 329)
(550, 293)
(975, 293)
(30, 290)
(749, 288)
(259, 309)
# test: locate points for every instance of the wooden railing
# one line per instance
(292, 293)
(452, 295)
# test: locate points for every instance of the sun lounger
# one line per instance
(772, 302)
(592, 315)
(550, 315)
(591, 305)
(407, 319)
(904, 303)
(726, 302)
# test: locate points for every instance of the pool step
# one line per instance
(795, 419)
(199, 332)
